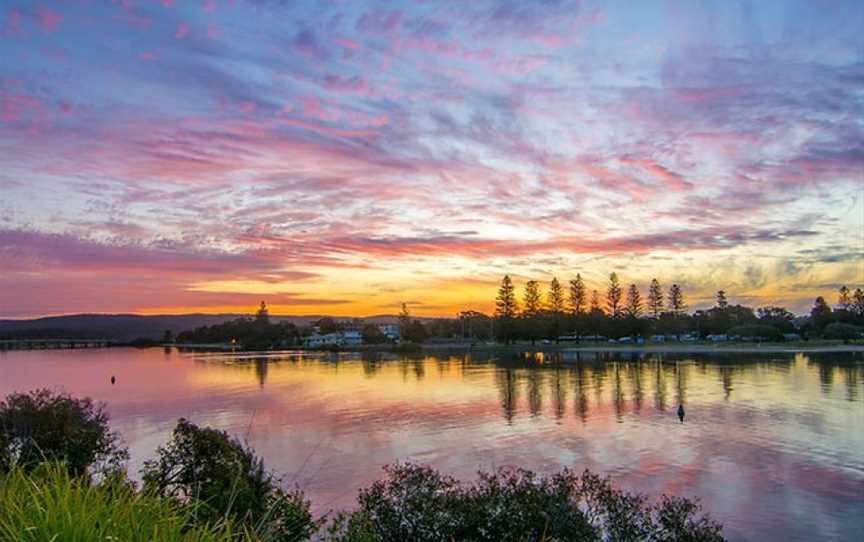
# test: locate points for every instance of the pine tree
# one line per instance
(532, 298)
(505, 302)
(634, 302)
(505, 309)
(676, 300)
(595, 301)
(843, 298)
(613, 296)
(555, 297)
(655, 298)
(722, 303)
(578, 295)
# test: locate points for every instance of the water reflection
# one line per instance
(769, 440)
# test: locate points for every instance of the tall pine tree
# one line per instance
(578, 295)
(655, 298)
(613, 296)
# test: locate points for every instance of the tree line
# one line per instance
(622, 311)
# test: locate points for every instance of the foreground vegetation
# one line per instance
(204, 485)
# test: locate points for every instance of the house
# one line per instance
(658, 338)
(351, 337)
(718, 338)
(340, 338)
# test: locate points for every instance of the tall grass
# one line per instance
(50, 505)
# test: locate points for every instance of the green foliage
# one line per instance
(50, 503)
(417, 503)
(227, 480)
(43, 425)
(372, 335)
(755, 331)
(840, 331)
(253, 334)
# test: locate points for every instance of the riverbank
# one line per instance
(714, 348)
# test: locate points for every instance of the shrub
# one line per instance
(228, 481)
(419, 504)
(49, 503)
(43, 425)
(840, 331)
(755, 331)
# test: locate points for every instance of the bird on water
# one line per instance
(113, 380)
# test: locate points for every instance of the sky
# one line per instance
(342, 157)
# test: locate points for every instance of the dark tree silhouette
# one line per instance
(613, 296)
(532, 299)
(655, 299)
(505, 310)
(722, 303)
(821, 314)
(263, 315)
(676, 300)
(843, 298)
(555, 297)
(578, 295)
(634, 302)
(858, 305)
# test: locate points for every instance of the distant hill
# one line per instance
(126, 327)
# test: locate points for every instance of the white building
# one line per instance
(339, 338)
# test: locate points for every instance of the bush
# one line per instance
(228, 481)
(42, 425)
(755, 331)
(49, 503)
(419, 504)
(840, 331)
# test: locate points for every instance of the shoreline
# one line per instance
(666, 349)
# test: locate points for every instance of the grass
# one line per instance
(50, 505)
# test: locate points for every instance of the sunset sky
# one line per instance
(339, 157)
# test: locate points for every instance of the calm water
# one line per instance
(773, 445)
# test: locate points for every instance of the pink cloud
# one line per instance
(327, 130)
(48, 20)
(182, 31)
(167, 3)
(147, 55)
(247, 107)
(353, 85)
(208, 5)
(12, 26)
(212, 31)
(670, 179)
(346, 43)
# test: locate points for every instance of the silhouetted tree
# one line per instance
(532, 300)
(858, 302)
(578, 295)
(404, 319)
(843, 298)
(555, 297)
(655, 298)
(778, 317)
(613, 296)
(634, 302)
(595, 302)
(820, 314)
(722, 303)
(372, 335)
(263, 315)
(505, 310)
(676, 300)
